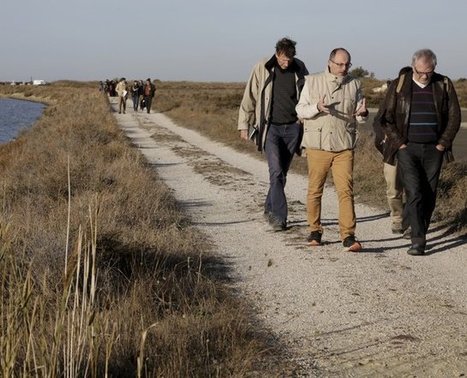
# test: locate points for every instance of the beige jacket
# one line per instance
(336, 131)
(121, 88)
(255, 107)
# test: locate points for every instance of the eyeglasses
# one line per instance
(419, 73)
(347, 65)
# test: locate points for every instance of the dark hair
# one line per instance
(286, 46)
(336, 50)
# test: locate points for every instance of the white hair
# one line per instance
(425, 54)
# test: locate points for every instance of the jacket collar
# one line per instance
(337, 80)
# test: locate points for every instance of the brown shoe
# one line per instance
(351, 244)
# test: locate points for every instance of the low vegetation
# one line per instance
(101, 274)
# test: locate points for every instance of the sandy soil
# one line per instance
(379, 312)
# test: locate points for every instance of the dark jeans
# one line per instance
(135, 103)
(122, 104)
(148, 102)
(281, 143)
(420, 166)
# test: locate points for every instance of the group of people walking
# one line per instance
(287, 111)
(142, 94)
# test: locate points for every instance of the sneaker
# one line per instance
(314, 239)
(351, 244)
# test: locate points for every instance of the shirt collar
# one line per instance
(420, 84)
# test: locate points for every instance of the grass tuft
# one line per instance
(101, 274)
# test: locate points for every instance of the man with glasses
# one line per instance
(331, 105)
(267, 114)
(421, 121)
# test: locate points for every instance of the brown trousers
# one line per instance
(341, 165)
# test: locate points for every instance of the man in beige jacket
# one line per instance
(331, 104)
(268, 111)
(122, 92)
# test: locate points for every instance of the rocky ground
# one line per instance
(379, 312)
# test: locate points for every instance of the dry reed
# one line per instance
(100, 272)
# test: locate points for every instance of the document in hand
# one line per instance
(252, 131)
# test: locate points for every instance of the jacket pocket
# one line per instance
(312, 137)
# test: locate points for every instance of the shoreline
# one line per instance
(21, 97)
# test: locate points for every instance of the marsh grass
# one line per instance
(212, 109)
(101, 274)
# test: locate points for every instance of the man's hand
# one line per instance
(362, 110)
(322, 107)
(440, 147)
(244, 134)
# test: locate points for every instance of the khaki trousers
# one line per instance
(341, 165)
(394, 190)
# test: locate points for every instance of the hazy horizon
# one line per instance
(220, 40)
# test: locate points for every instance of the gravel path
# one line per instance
(380, 312)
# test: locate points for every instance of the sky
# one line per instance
(220, 40)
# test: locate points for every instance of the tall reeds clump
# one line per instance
(100, 272)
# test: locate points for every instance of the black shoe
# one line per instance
(314, 239)
(351, 244)
(416, 250)
(278, 226)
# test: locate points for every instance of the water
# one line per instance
(16, 115)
